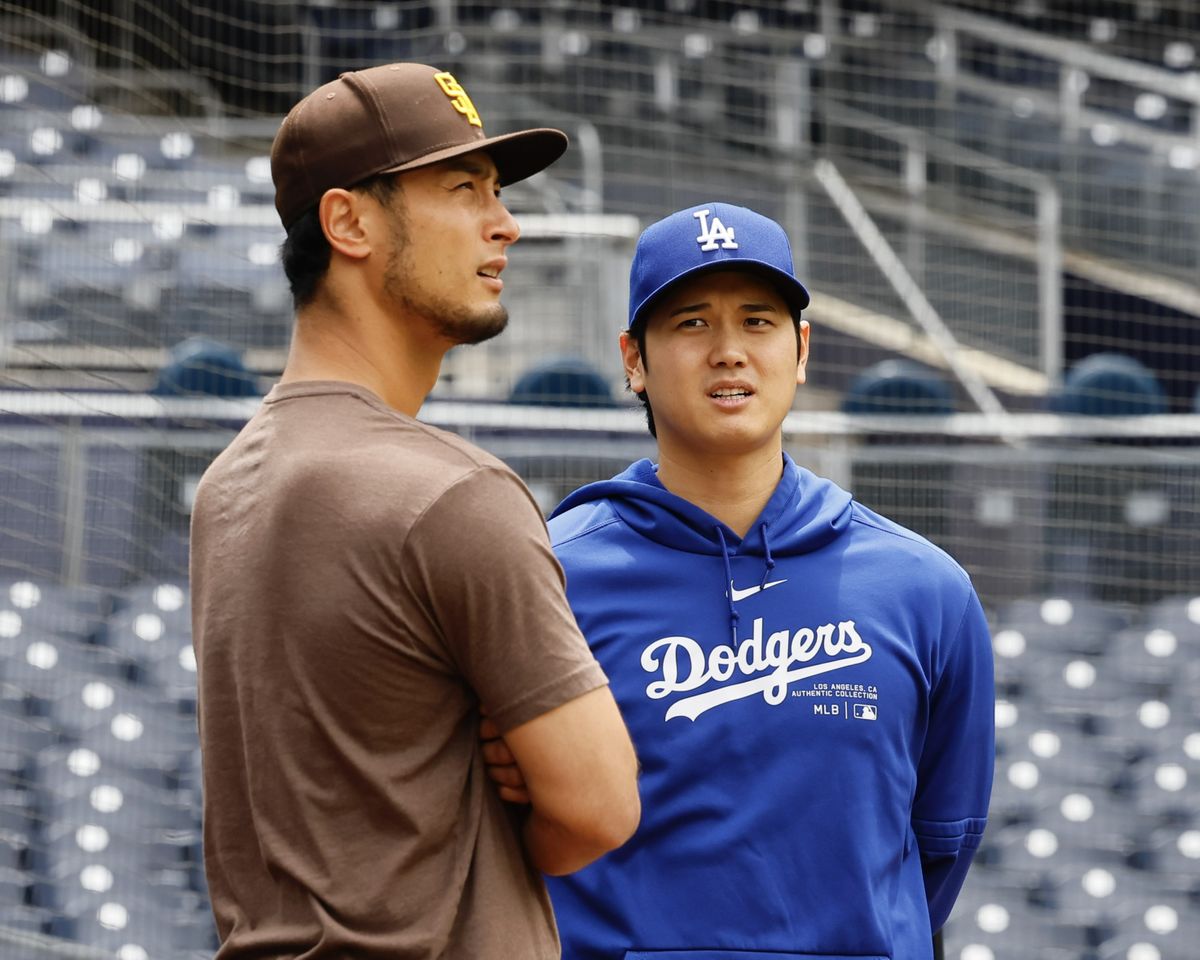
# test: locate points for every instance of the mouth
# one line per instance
(731, 394)
(491, 271)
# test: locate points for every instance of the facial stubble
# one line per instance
(455, 322)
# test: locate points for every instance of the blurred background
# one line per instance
(996, 206)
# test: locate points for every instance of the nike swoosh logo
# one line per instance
(736, 594)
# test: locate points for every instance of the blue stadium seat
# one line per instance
(899, 386)
(1109, 384)
(565, 382)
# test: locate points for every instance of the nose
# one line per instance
(727, 349)
(503, 227)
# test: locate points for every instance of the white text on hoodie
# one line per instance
(684, 666)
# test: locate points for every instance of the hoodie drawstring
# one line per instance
(733, 614)
(770, 560)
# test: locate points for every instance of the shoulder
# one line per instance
(587, 522)
(923, 560)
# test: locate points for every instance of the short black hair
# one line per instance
(638, 332)
(305, 252)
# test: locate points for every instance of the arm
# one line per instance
(482, 557)
(954, 776)
(580, 773)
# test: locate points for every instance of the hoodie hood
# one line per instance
(804, 513)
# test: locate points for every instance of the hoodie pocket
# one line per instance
(744, 955)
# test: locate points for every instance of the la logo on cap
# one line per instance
(458, 96)
(714, 232)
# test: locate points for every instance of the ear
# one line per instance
(345, 217)
(632, 358)
(802, 362)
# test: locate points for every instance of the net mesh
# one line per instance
(988, 200)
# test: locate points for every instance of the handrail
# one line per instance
(905, 286)
(1180, 86)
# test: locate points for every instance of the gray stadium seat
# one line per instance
(1065, 624)
(1153, 656)
(1165, 790)
(1167, 923)
(1174, 853)
(70, 612)
(42, 667)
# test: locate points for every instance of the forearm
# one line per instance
(556, 850)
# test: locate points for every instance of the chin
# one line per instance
(466, 328)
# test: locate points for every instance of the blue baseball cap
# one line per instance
(711, 236)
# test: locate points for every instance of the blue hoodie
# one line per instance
(812, 707)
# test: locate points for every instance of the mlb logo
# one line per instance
(866, 711)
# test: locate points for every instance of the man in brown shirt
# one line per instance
(363, 584)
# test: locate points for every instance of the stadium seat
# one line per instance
(1180, 614)
(990, 924)
(65, 611)
(1109, 384)
(147, 635)
(899, 386)
(120, 803)
(1065, 624)
(207, 367)
(1155, 925)
(1165, 790)
(563, 382)
(1154, 656)
(1174, 855)
(1077, 688)
(45, 667)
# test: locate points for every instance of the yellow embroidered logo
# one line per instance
(458, 96)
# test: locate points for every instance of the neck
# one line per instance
(393, 357)
(734, 489)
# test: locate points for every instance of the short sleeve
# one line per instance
(480, 556)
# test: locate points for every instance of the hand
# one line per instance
(500, 764)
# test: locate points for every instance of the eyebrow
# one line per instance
(749, 307)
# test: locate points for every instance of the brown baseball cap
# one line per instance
(384, 119)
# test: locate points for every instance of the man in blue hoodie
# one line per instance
(808, 685)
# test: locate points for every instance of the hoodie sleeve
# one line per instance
(954, 775)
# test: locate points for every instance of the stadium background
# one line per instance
(996, 206)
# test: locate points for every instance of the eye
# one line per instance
(466, 184)
(759, 322)
(691, 323)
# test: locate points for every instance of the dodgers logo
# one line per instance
(770, 665)
(714, 232)
(458, 96)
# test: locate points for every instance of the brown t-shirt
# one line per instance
(361, 582)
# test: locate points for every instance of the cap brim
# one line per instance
(516, 155)
(794, 293)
